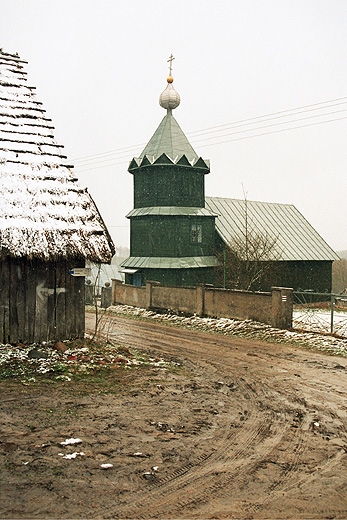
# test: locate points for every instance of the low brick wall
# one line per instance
(242, 305)
(274, 308)
(177, 299)
(128, 294)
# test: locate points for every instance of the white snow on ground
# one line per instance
(320, 321)
(246, 328)
(28, 361)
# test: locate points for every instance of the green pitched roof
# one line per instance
(171, 211)
(159, 262)
(296, 238)
(170, 140)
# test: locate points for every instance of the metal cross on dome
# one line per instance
(171, 58)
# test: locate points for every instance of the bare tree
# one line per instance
(249, 256)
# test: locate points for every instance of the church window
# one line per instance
(196, 233)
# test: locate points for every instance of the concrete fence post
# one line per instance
(149, 293)
(115, 284)
(106, 296)
(282, 307)
(200, 299)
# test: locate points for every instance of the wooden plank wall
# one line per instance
(40, 301)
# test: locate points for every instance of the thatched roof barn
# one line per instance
(48, 223)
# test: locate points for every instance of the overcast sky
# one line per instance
(99, 67)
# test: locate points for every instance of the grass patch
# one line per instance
(100, 364)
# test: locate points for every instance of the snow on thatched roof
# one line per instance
(44, 212)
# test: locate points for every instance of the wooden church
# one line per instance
(177, 234)
(49, 224)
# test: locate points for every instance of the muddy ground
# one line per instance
(227, 428)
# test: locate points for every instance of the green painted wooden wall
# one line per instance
(168, 186)
(171, 236)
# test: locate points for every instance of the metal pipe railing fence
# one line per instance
(320, 312)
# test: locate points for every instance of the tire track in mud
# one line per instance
(275, 429)
(210, 477)
(258, 437)
(198, 478)
(293, 450)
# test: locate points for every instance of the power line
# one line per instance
(274, 124)
(276, 131)
(277, 114)
(119, 150)
(230, 140)
(99, 159)
(241, 122)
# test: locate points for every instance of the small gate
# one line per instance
(320, 312)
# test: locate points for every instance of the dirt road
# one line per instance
(240, 429)
(267, 428)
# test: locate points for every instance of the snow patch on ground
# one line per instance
(246, 328)
(29, 361)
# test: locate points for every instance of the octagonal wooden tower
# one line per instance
(172, 234)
